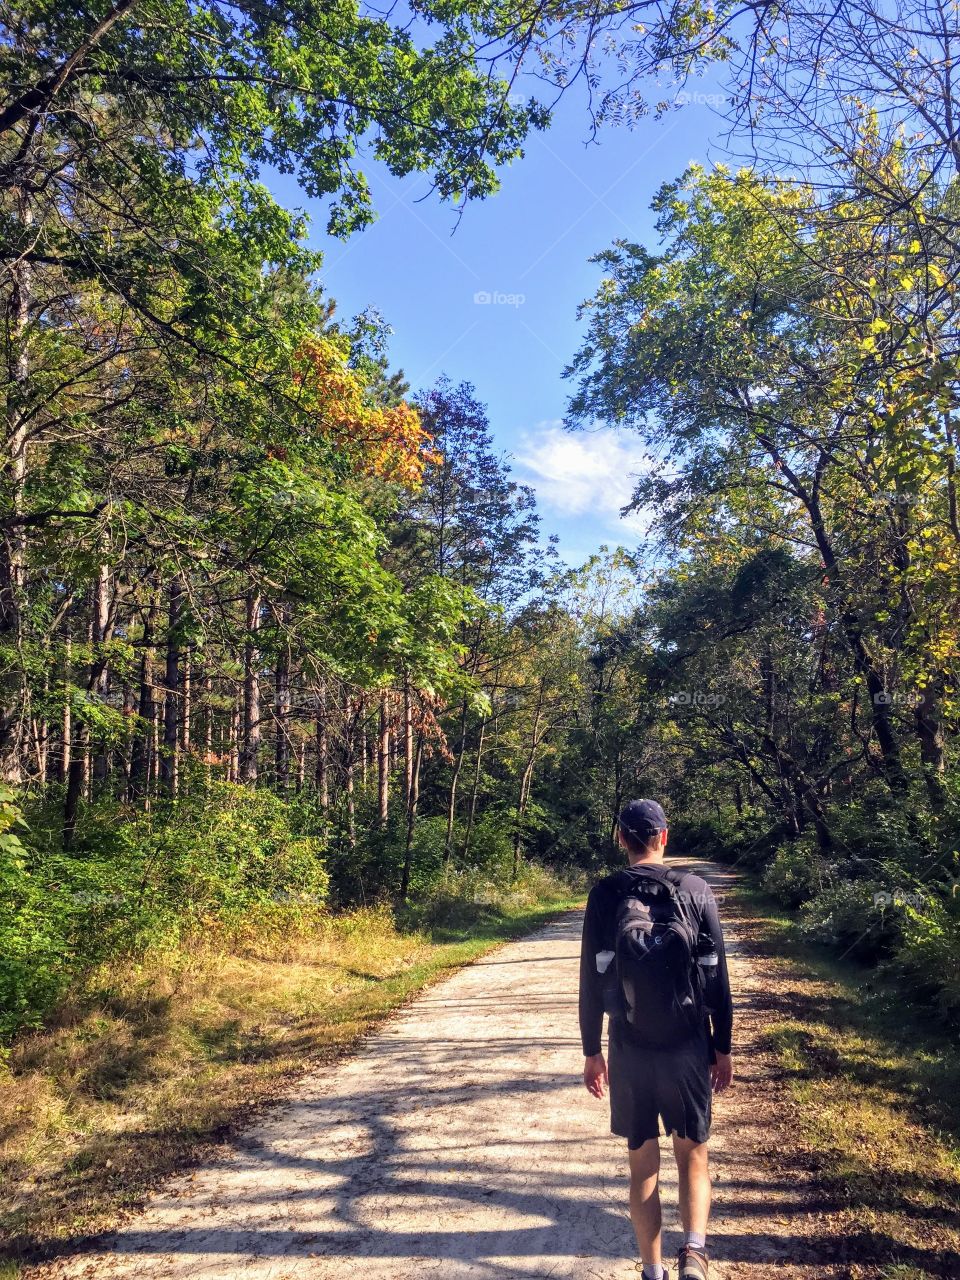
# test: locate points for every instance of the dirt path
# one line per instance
(459, 1142)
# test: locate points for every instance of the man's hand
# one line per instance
(595, 1075)
(721, 1072)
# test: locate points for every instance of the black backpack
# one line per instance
(659, 980)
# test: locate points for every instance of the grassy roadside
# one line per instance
(876, 1090)
(136, 1076)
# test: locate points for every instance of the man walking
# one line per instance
(652, 957)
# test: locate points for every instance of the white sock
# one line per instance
(652, 1271)
(694, 1240)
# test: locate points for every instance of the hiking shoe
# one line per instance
(691, 1264)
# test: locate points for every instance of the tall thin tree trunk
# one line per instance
(393, 738)
(66, 730)
(129, 715)
(185, 730)
(233, 742)
(411, 820)
(282, 720)
(322, 741)
(383, 760)
(13, 540)
(41, 729)
(170, 755)
(474, 790)
(250, 746)
(525, 782)
(407, 741)
(155, 739)
(206, 688)
(349, 766)
(452, 794)
(101, 687)
(140, 752)
(78, 773)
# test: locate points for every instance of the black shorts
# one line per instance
(647, 1085)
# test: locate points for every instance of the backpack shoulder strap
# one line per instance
(682, 899)
(675, 878)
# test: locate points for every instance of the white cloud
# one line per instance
(586, 473)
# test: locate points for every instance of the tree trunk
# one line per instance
(233, 742)
(250, 746)
(407, 741)
(185, 728)
(322, 742)
(892, 766)
(170, 751)
(452, 794)
(932, 747)
(78, 773)
(140, 752)
(525, 782)
(411, 819)
(474, 790)
(154, 772)
(282, 721)
(14, 471)
(206, 686)
(349, 747)
(66, 730)
(130, 716)
(41, 727)
(383, 760)
(76, 784)
(101, 628)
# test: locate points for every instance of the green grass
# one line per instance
(137, 1073)
(876, 1085)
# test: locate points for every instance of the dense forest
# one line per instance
(280, 634)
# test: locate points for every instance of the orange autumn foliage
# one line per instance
(389, 443)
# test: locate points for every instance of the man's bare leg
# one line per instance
(693, 1175)
(645, 1199)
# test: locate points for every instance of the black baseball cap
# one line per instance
(642, 819)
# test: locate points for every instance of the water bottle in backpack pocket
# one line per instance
(708, 962)
(610, 987)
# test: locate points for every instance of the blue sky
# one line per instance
(528, 247)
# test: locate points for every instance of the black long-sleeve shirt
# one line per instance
(598, 935)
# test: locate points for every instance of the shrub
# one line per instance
(928, 951)
(876, 832)
(851, 916)
(33, 933)
(223, 863)
(230, 850)
(795, 874)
